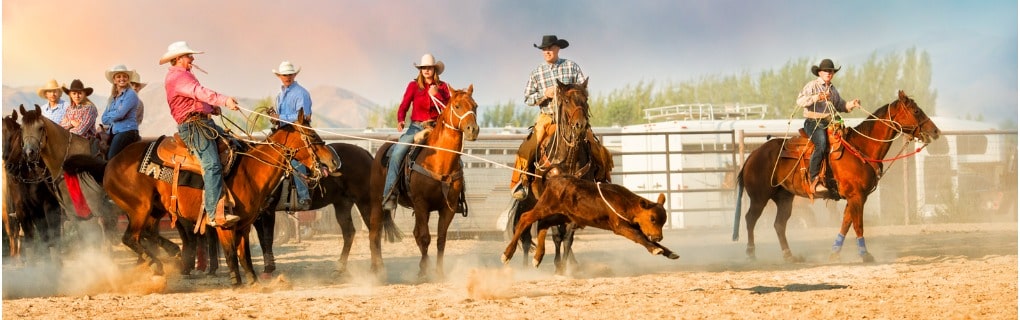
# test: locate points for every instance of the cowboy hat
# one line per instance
(549, 40)
(50, 85)
(826, 65)
(136, 81)
(428, 60)
(286, 68)
(76, 85)
(118, 69)
(175, 50)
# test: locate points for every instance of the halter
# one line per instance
(453, 113)
(289, 154)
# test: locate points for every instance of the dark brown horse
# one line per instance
(855, 166)
(256, 174)
(436, 179)
(568, 149)
(35, 208)
(343, 192)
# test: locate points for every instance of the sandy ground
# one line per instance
(957, 271)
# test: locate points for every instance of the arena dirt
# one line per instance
(953, 271)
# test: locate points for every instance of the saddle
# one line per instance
(403, 183)
(800, 148)
(167, 159)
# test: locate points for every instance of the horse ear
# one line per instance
(585, 84)
(903, 95)
(662, 199)
(22, 107)
(14, 115)
(470, 89)
(37, 109)
(301, 116)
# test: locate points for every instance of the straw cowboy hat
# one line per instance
(76, 85)
(286, 68)
(50, 85)
(826, 65)
(428, 60)
(118, 69)
(136, 81)
(175, 50)
(549, 40)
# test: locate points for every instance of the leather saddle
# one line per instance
(801, 147)
(166, 159)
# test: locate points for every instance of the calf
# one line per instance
(604, 206)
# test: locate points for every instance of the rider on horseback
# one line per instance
(541, 91)
(291, 99)
(190, 105)
(427, 94)
(820, 101)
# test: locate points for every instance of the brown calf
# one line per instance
(604, 206)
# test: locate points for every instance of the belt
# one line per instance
(195, 116)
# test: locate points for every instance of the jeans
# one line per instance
(815, 129)
(299, 182)
(397, 153)
(201, 140)
(121, 140)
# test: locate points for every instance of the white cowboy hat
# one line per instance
(118, 69)
(428, 60)
(175, 50)
(286, 68)
(50, 85)
(136, 80)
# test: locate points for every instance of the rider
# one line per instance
(80, 116)
(540, 91)
(55, 107)
(291, 99)
(121, 114)
(423, 92)
(820, 101)
(190, 105)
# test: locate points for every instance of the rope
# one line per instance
(598, 186)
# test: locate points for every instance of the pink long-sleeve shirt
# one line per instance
(185, 95)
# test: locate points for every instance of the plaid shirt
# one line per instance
(814, 108)
(55, 113)
(86, 114)
(545, 76)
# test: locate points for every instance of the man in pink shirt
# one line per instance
(190, 105)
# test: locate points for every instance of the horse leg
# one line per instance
(445, 218)
(375, 230)
(522, 229)
(228, 243)
(857, 219)
(422, 238)
(754, 211)
(570, 261)
(265, 229)
(133, 239)
(189, 241)
(212, 251)
(784, 208)
(844, 227)
(342, 211)
(244, 254)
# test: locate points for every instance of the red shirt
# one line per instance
(423, 106)
(185, 95)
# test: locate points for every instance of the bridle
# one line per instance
(308, 144)
(452, 113)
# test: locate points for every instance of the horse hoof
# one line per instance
(536, 262)
(656, 251)
(266, 276)
(867, 258)
(673, 256)
(504, 259)
(790, 258)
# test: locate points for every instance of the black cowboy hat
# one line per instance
(549, 40)
(826, 65)
(76, 85)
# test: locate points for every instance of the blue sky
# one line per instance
(369, 47)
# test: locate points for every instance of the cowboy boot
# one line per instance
(518, 180)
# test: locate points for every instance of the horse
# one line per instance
(343, 192)
(436, 179)
(855, 166)
(568, 150)
(35, 208)
(255, 174)
(44, 140)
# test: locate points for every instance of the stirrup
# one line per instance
(519, 191)
(819, 185)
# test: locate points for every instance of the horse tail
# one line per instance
(393, 233)
(736, 212)
(85, 163)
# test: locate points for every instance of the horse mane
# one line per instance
(80, 163)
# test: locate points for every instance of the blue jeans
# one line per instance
(121, 140)
(201, 140)
(299, 183)
(815, 129)
(397, 153)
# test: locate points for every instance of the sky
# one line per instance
(370, 47)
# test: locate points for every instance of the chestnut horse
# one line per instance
(436, 180)
(567, 149)
(35, 208)
(255, 175)
(343, 192)
(855, 166)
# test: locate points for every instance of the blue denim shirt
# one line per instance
(121, 114)
(290, 100)
(56, 113)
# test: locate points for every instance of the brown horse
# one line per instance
(256, 174)
(343, 192)
(568, 150)
(36, 211)
(436, 180)
(855, 166)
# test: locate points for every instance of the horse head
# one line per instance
(912, 120)
(460, 115)
(573, 110)
(11, 136)
(303, 144)
(33, 132)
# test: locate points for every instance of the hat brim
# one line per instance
(42, 91)
(141, 85)
(559, 43)
(440, 66)
(132, 75)
(87, 90)
(276, 72)
(171, 55)
(815, 69)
